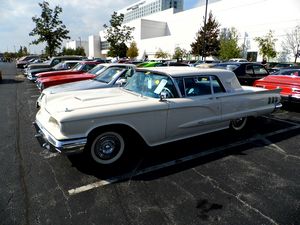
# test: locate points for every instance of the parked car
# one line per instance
(45, 82)
(113, 76)
(149, 64)
(158, 105)
(52, 62)
(237, 60)
(24, 60)
(80, 67)
(246, 72)
(288, 82)
(64, 65)
(287, 71)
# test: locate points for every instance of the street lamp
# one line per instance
(204, 31)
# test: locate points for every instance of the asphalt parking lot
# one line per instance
(252, 177)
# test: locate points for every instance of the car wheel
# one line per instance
(238, 124)
(108, 148)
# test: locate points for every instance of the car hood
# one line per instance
(74, 86)
(92, 103)
(58, 72)
(281, 79)
(76, 76)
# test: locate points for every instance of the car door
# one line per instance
(197, 112)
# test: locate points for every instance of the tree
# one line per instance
(117, 35)
(266, 45)
(160, 54)
(49, 28)
(179, 53)
(22, 51)
(132, 51)
(207, 41)
(70, 51)
(291, 43)
(229, 44)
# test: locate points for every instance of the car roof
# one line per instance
(177, 71)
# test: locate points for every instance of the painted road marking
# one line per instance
(127, 176)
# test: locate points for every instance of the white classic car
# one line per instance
(159, 105)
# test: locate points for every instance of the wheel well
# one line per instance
(123, 129)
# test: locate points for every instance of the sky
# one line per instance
(81, 17)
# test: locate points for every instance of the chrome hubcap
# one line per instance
(107, 147)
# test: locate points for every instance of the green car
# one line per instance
(149, 64)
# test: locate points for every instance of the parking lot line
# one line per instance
(34, 96)
(175, 162)
(281, 120)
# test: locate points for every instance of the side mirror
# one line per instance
(121, 82)
(163, 96)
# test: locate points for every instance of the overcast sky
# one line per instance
(81, 17)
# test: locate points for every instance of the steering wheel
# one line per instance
(168, 92)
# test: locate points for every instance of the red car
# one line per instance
(290, 85)
(80, 67)
(45, 82)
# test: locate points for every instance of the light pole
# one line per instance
(79, 41)
(204, 31)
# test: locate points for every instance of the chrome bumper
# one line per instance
(48, 142)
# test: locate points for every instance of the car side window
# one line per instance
(249, 69)
(260, 70)
(195, 86)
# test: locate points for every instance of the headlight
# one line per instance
(41, 100)
(40, 85)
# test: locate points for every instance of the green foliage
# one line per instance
(229, 44)
(160, 54)
(266, 45)
(9, 56)
(117, 35)
(207, 41)
(70, 51)
(179, 53)
(132, 51)
(22, 51)
(49, 28)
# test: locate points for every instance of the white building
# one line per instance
(144, 8)
(76, 44)
(168, 29)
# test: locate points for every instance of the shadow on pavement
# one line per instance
(176, 151)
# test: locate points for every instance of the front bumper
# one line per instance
(48, 142)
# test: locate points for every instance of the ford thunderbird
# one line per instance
(158, 105)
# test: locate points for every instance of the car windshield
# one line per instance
(59, 66)
(109, 74)
(150, 84)
(97, 69)
(78, 67)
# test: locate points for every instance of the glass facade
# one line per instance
(145, 8)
